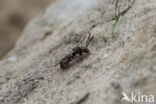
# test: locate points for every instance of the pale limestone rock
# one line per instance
(131, 59)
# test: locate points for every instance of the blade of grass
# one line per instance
(117, 16)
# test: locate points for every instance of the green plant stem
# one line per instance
(117, 16)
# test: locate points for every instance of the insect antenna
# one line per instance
(89, 39)
(56, 64)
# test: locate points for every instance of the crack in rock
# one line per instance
(21, 89)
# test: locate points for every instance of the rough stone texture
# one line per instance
(14, 14)
(127, 63)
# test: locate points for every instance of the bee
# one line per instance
(77, 52)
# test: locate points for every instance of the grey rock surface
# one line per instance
(124, 64)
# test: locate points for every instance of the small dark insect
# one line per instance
(77, 52)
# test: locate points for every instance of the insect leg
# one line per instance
(89, 39)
